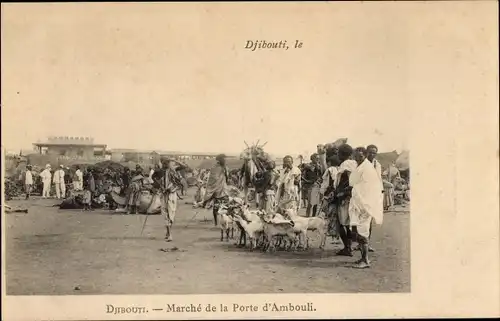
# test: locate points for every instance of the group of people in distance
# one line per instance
(58, 178)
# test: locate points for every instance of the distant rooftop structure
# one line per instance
(165, 152)
(67, 140)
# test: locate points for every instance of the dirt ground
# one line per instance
(63, 252)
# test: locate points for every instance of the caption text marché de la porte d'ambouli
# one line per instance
(199, 308)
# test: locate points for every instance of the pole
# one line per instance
(144, 224)
(192, 218)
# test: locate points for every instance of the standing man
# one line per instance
(46, 177)
(388, 193)
(134, 190)
(365, 203)
(28, 181)
(217, 185)
(78, 181)
(59, 182)
(311, 180)
(125, 178)
(288, 185)
(91, 182)
(151, 171)
(372, 152)
(329, 181)
(266, 188)
(171, 187)
(342, 197)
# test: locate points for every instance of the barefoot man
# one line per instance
(169, 196)
(342, 197)
(217, 189)
(365, 203)
(372, 152)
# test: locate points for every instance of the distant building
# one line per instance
(153, 156)
(71, 148)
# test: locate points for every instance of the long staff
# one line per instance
(144, 224)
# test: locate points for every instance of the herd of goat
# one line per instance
(269, 231)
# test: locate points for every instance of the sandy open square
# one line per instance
(70, 252)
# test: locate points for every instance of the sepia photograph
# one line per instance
(167, 149)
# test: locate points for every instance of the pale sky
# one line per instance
(176, 77)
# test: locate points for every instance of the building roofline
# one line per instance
(163, 152)
(68, 144)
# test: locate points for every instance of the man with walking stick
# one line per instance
(171, 185)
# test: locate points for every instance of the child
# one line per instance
(87, 200)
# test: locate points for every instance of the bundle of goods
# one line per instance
(75, 201)
(13, 188)
(182, 167)
(106, 170)
(110, 165)
(257, 154)
(260, 158)
(331, 149)
(403, 161)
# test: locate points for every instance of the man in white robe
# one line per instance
(365, 203)
(28, 181)
(287, 195)
(78, 179)
(46, 177)
(59, 182)
(372, 152)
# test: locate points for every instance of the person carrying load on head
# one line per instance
(169, 196)
(217, 189)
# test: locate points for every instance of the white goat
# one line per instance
(317, 223)
(320, 224)
(300, 225)
(281, 241)
(273, 228)
(226, 223)
(238, 209)
(253, 229)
